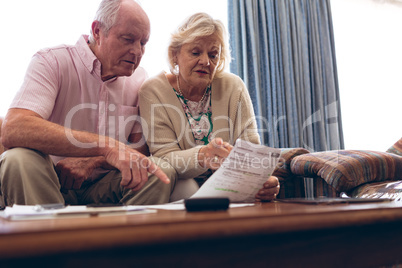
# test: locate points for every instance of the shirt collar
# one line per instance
(88, 58)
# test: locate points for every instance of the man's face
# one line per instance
(121, 50)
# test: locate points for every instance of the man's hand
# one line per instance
(73, 171)
(134, 167)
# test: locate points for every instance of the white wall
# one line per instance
(28, 26)
(368, 41)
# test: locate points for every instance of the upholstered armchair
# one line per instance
(357, 173)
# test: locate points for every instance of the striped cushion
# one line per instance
(346, 169)
(291, 186)
(396, 148)
(287, 155)
(321, 188)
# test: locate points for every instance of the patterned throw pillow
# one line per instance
(287, 154)
(346, 169)
(396, 148)
(291, 186)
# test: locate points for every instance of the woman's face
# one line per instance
(198, 61)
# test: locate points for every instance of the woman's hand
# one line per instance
(269, 191)
(213, 154)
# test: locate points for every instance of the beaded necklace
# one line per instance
(199, 115)
(181, 92)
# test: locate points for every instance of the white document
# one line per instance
(242, 174)
(26, 212)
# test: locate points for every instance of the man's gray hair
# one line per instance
(106, 15)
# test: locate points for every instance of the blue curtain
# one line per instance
(284, 51)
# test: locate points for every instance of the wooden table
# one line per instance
(265, 235)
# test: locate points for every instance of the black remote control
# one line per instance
(207, 203)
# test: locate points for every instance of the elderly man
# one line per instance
(72, 132)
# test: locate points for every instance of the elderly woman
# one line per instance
(194, 114)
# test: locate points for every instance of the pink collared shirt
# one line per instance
(63, 85)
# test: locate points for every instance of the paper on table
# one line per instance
(24, 212)
(242, 174)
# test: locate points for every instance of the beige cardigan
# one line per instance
(168, 132)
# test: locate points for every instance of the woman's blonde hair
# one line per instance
(195, 26)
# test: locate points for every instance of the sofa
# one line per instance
(301, 173)
(352, 173)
